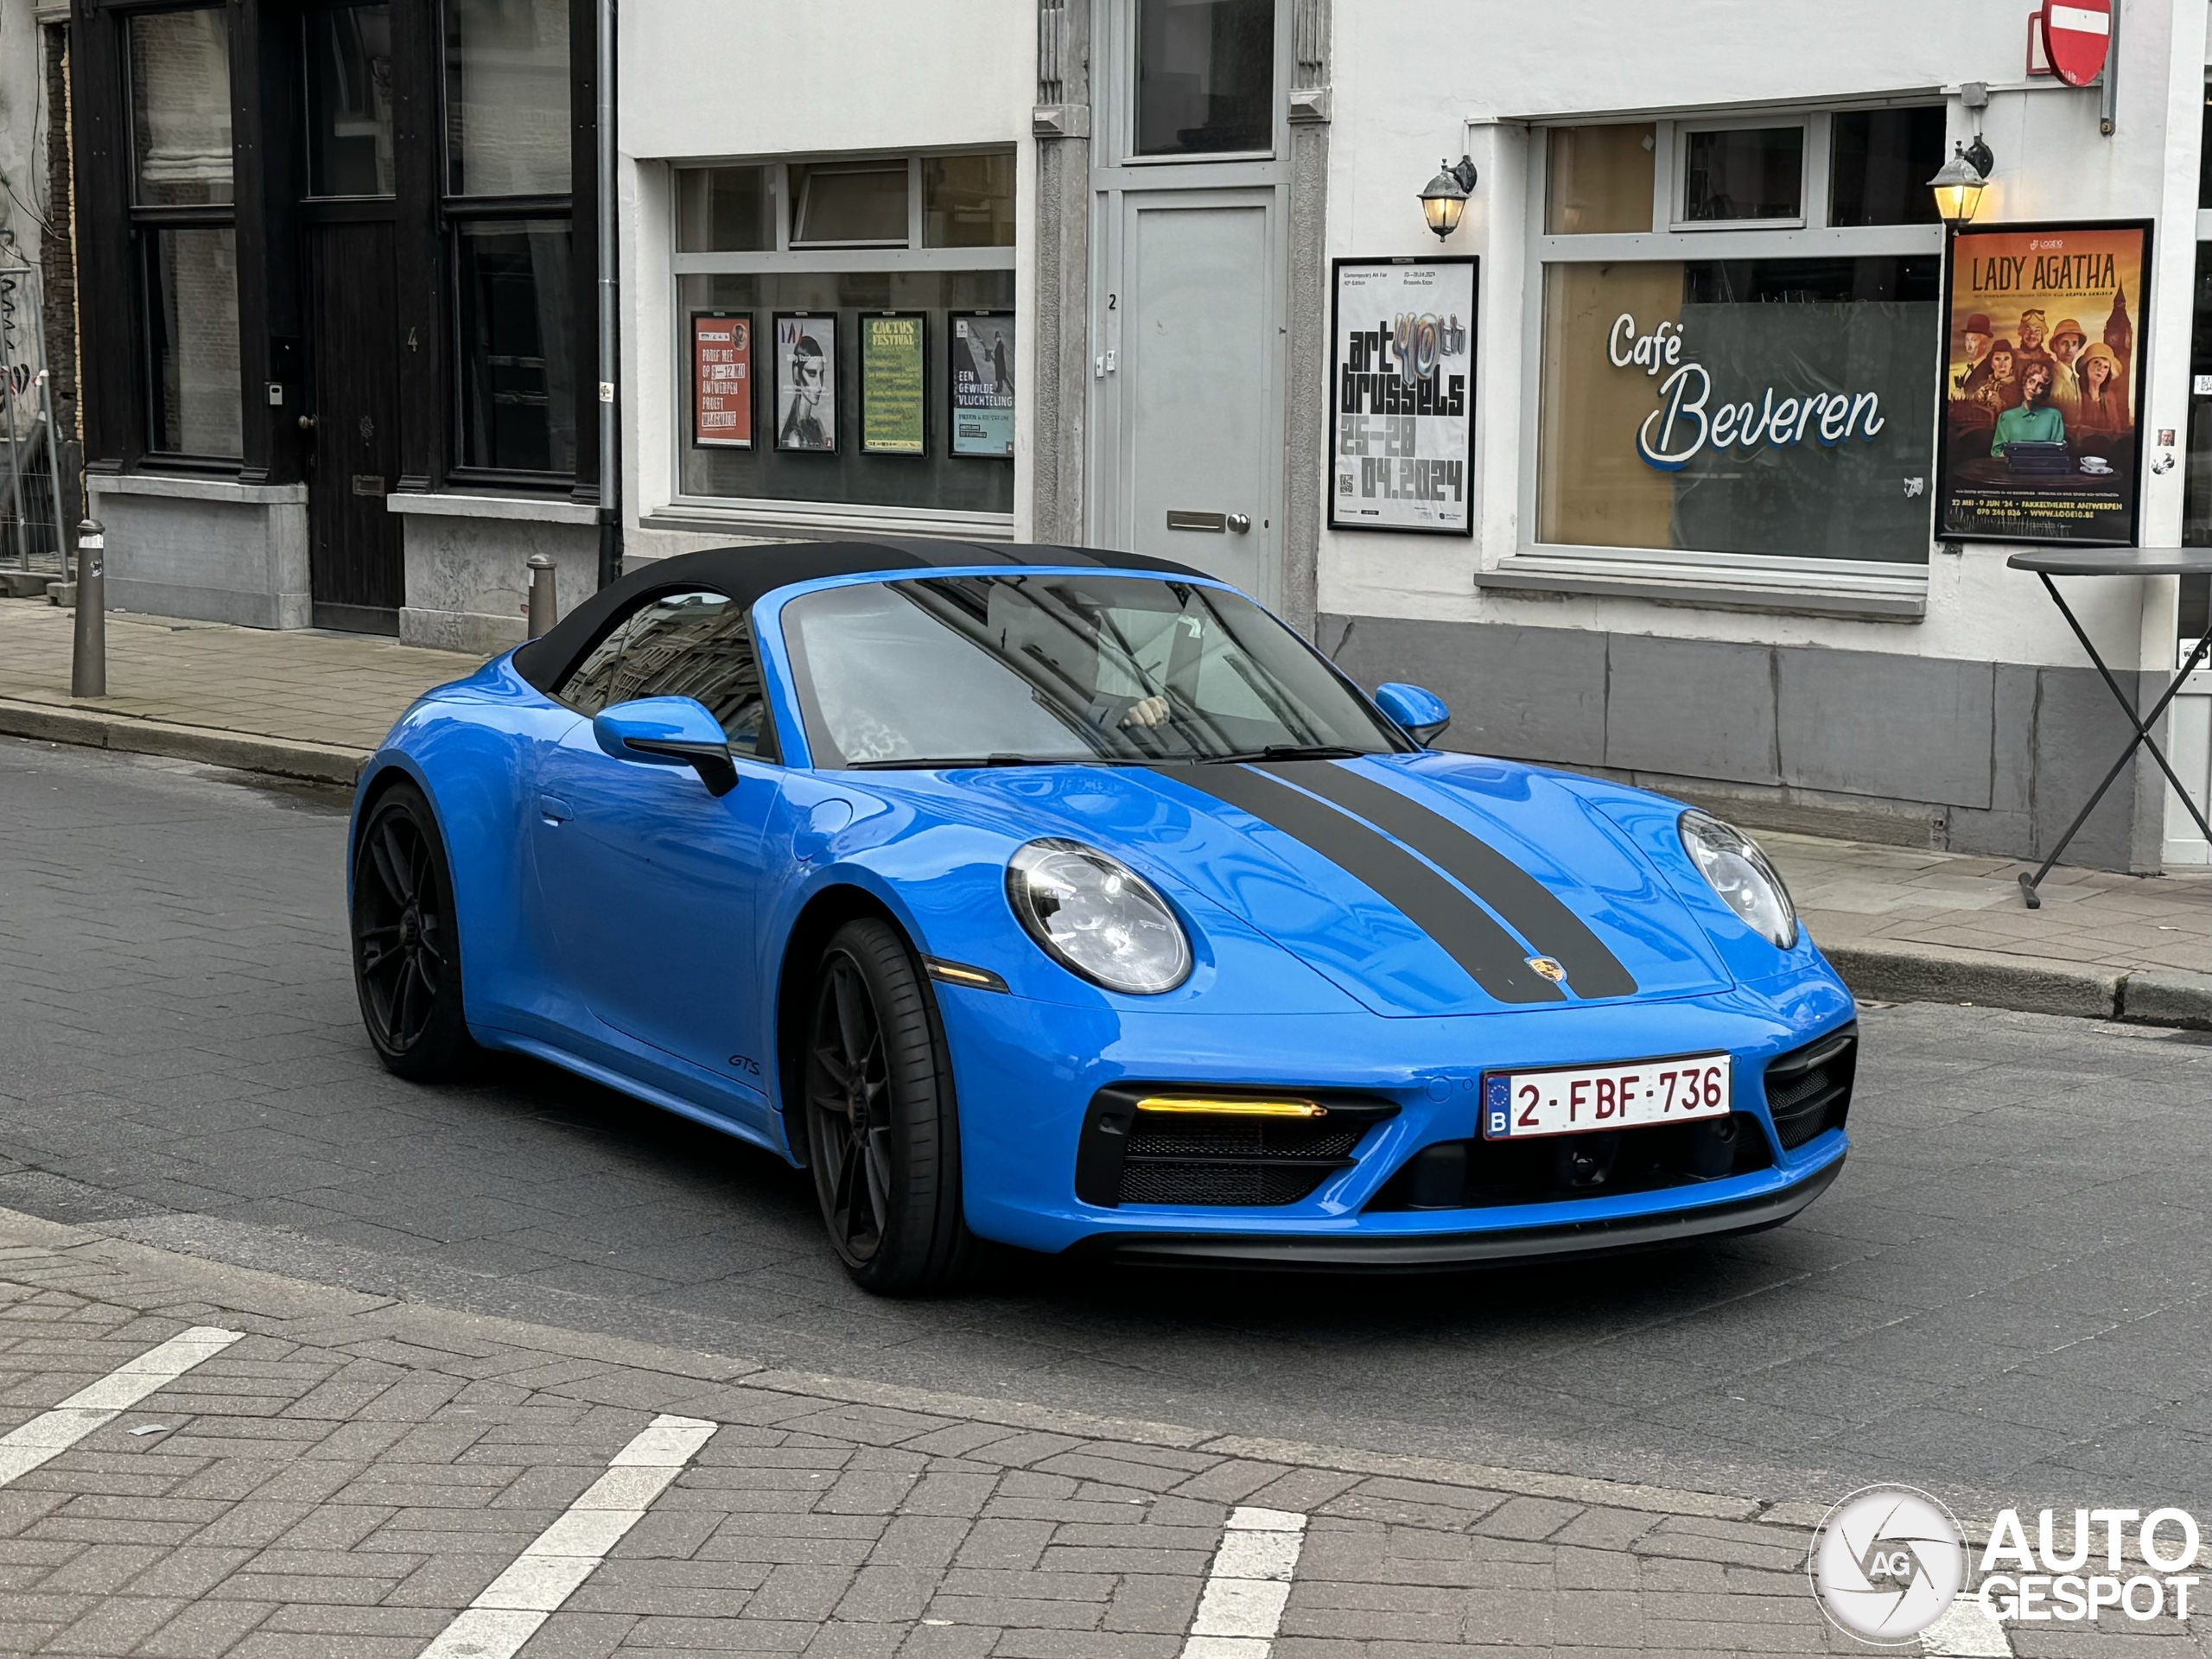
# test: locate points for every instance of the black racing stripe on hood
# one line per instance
(1535, 912)
(1464, 929)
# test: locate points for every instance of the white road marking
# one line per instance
(50, 1433)
(513, 1606)
(1247, 1586)
(1967, 1631)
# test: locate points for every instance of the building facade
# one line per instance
(1095, 270)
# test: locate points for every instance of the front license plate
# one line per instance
(1577, 1099)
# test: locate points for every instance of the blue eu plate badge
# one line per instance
(1497, 1105)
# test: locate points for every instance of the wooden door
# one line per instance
(354, 554)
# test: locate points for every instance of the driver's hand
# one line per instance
(1152, 711)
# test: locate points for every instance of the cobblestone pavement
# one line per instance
(2003, 1299)
(354, 1473)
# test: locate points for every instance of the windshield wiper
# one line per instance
(943, 763)
(1285, 752)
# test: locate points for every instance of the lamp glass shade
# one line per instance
(1442, 201)
(1958, 186)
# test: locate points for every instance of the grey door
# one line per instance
(1191, 451)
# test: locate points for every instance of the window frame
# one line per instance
(454, 213)
(813, 259)
(144, 222)
(1767, 581)
(1813, 163)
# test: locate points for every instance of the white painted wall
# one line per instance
(725, 79)
(1414, 82)
(22, 133)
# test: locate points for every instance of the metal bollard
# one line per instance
(544, 610)
(88, 664)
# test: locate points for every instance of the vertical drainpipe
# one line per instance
(610, 341)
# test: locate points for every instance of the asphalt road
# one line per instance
(2006, 1292)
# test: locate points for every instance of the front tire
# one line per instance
(407, 940)
(882, 1129)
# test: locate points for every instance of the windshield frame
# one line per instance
(793, 699)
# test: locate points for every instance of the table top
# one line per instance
(2114, 561)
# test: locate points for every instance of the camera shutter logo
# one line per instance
(1887, 1563)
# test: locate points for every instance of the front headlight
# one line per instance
(1095, 916)
(1739, 872)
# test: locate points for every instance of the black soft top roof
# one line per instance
(745, 573)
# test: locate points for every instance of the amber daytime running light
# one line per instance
(1232, 1108)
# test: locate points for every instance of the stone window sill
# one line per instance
(1891, 593)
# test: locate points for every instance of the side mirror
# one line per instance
(668, 732)
(1421, 711)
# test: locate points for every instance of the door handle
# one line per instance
(553, 809)
(1240, 521)
(307, 422)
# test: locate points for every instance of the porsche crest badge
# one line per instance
(1548, 969)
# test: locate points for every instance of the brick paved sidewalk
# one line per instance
(1901, 923)
(352, 1474)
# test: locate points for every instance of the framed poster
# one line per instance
(982, 384)
(806, 381)
(2041, 439)
(891, 382)
(722, 380)
(1402, 379)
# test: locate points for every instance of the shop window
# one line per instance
(873, 374)
(515, 380)
(180, 108)
(1778, 407)
(1599, 180)
(347, 51)
(1879, 162)
(723, 210)
(1206, 76)
(507, 75)
(968, 200)
(1734, 173)
(183, 238)
(850, 207)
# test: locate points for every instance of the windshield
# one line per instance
(983, 671)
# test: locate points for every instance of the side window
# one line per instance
(689, 645)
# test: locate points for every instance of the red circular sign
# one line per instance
(2076, 36)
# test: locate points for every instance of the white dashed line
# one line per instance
(513, 1606)
(1247, 1586)
(52, 1433)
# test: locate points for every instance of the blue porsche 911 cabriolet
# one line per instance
(1070, 899)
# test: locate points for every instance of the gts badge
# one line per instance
(746, 1063)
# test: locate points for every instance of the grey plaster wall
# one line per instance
(1062, 125)
(1970, 756)
(215, 559)
(468, 578)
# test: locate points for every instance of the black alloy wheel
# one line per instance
(406, 941)
(882, 1130)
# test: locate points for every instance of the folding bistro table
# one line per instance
(2118, 562)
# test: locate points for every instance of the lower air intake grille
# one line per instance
(1809, 1092)
(1129, 1156)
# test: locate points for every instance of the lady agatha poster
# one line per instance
(2041, 390)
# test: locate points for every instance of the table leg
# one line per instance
(2142, 738)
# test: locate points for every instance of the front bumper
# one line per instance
(1028, 1072)
(1441, 1252)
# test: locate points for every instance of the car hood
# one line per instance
(1418, 884)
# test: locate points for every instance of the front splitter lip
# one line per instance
(1442, 1252)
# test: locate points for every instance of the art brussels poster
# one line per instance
(1403, 380)
(982, 384)
(2042, 389)
(806, 382)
